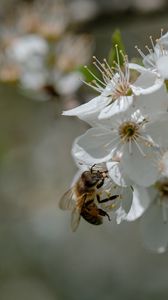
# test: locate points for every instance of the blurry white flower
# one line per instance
(68, 83)
(73, 51)
(26, 48)
(147, 6)
(82, 11)
(137, 140)
(9, 73)
(33, 79)
(32, 17)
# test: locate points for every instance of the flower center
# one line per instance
(162, 197)
(115, 80)
(120, 90)
(129, 131)
(162, 187)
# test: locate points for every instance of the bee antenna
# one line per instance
(91, 169)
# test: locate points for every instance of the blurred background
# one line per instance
(43, 45)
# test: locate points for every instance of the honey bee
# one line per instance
(80, 199)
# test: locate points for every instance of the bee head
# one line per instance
(92, 177)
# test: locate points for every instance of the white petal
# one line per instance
(162, 66)
(118, 106)
(164, 40)
(87, 108)
(163, 161)
(89, 111)
(140, 203)
(94, 146)
(154, 231)
(152, 103)
(141, 169)
(148, 82)
(149, 60)
(137, 68)
(127, 196)
(117, 174)
(124, 205)
(158, 129)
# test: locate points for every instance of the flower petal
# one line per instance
(137, 67)
(154, 231)
(140, 203)
(152, 103)
(94, 146)
(90, 107)
(141, 169)
(158, 129)
(89, 111)
(118, 106)
(117, 174)
(162, 64)
(148, 82)
(124, 205)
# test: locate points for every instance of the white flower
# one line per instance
(116, 91)
(72, 51)
(157, 59)
(33, 80)
(136, 138)
(29, 53)
(67, 84)
(154, 222)
(27, 47)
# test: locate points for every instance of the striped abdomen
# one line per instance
(91, 213)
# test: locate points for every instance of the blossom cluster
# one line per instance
(41, 52)
(129, 136)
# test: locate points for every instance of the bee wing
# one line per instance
(75, 218)
(67, 201)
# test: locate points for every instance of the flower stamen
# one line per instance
(128, 131)
(115, 82)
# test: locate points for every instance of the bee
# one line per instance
(80, 199)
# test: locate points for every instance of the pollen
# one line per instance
(129, 131)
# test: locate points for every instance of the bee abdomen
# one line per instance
(95, 220)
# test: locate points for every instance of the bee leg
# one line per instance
(103, 213)
(100, 184)
(106, 199)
